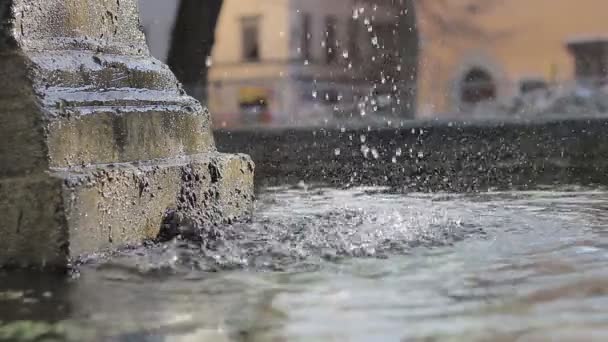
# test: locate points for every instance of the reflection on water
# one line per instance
(359, 264)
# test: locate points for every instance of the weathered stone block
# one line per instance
(53, 216)
(98, 139)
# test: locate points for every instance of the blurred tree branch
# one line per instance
(192, 41)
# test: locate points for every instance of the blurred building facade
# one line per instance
(290, 62)
(492, 50)
(299, 61)
(302, 61)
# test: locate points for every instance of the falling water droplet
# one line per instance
(337, 152)
(365, 150)
(375, 153)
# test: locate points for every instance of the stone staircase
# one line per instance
(97, 138)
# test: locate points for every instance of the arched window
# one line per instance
(477, 86)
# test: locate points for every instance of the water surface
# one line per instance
(346, 265)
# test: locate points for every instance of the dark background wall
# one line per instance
(431, 156)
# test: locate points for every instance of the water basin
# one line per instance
(363, 264)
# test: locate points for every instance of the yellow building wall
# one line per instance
(227, 57)
(520, 38)
(228, 72)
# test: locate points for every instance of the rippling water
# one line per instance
(337, 265)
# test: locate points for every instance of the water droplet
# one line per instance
(363, 138)
(365, 150)
(399, 152)
(420, 154)
(394, 160)
(337, 152)
(375, 153)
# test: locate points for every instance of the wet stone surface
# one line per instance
(455, 156)
(95, 136)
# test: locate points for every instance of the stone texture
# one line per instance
(431, 156)
(98, 139)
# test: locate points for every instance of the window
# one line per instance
(354, 51)
(531, 85)
(591, 60)
(386, 35)
(330, 39)
(306, 36)
(250, 39)
(477, 86)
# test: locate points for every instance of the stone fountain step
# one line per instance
(90, 70)
(124, 125)
(97, 138)
(55, 216)
(99, 127)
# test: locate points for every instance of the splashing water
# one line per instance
(388, 266)
(361, 225)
